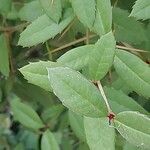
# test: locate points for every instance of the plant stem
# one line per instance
(87, 36)
(7, 37)
(104, 96)
(13, 28)
(131, 49)
(67, 29)
(49, 51)
(115, 4)
(52, 2)
(70, 44)
(110, 76)
(91, 36)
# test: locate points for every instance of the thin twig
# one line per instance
(67, 29)
(87, 36)
(13, 28)
(131, 49)
(104, 96)
(70, 44)
(7, 37)
(110, 76)
(91, 36)
(52, 2)
(115, 4)
(49, 51)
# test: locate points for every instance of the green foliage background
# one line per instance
(65, 66)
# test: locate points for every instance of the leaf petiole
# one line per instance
(104, 96)
(111, 115)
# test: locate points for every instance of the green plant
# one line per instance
(98, 68)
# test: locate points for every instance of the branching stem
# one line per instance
(70, 44)
(131, 49)
(91, 36)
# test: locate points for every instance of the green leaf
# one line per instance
(5, 123)
(85, 11)
(134, 127)
(26, 115)
(30, 139)
(133, 71)
(83, 146)
(119, 84)
(58, 136)
(52, 8)
(120, 102)
(36, 73)
(32, 93)
(99, 134)
(128, 146)
(77, 125)
(77, 93)
(13, 13)
(76, 58)
(102, 57)
(4, 57)
(1, 95)
(103, 20)
(19, 146)
(119, 142)
(48, 141)
(66, 143)
(5, 6)
(52, 112)
(146, 45)
(64, 121)
(31, 11)
(141, 9)
(126, 28)
(43, 29)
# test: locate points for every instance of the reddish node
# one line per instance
(111, 117)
